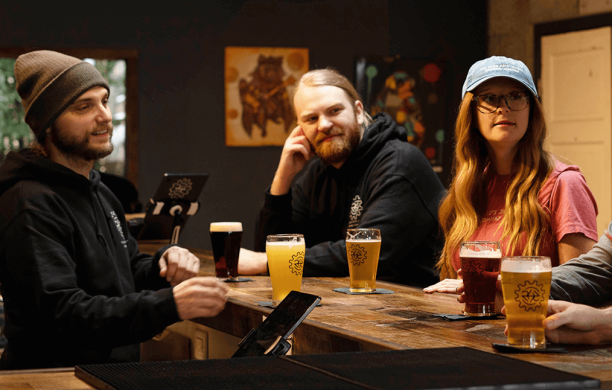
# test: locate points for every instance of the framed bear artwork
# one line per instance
(259, 83)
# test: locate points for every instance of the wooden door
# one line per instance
(576, 94)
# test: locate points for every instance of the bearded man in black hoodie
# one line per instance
(76, 289)
(366, 175)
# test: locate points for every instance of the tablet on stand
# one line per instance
(175, 200)
(271, 336)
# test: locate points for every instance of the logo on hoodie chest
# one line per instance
(119, 228)
(355, 215)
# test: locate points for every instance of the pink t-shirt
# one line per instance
(565, 195)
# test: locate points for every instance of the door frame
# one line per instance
(560, 27)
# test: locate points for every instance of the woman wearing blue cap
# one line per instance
(506, 187)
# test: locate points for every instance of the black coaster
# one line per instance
(461, 317)
(346, 290)
(550, 348)
(271, 304)
(239, 280)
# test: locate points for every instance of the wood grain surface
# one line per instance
(343, 323)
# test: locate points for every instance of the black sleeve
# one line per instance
(145, 268)
(42, 280)
(275, 217)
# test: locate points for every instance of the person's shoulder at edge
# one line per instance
(561, 168)
(561, 172)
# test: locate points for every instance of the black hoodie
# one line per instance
(76, 289)
(386, 183)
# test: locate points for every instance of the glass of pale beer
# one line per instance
(286, 263)
(526, 287)
(226, 238)
(480, 261)
(363, 250)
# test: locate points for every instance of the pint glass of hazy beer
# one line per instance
(526, 287)
(362, 250)
(480, 261)
(286, 263)
(226, 238)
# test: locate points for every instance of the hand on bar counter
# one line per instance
(252, 263)
(448, 286)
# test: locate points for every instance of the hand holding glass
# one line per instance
(362, 251)
(526, 287)
(480, 261)
(286, 263)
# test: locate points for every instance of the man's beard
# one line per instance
(337, 149)
(75, 147)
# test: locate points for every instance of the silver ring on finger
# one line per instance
(456, 289)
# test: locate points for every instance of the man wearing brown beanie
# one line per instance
(76, 289)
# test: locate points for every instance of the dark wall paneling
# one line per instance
(180, 79)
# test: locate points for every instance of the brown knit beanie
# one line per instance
(48, 82)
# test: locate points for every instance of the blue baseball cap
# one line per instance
(495, 66)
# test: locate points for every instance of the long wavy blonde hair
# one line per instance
(462, 209)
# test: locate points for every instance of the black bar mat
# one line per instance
(443, 368)
(267, 372)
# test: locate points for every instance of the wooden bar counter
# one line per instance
(342, 323)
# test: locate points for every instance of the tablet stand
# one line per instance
(270, 338)
(175, 208)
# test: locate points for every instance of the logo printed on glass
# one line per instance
(357, 254)
(473, 267)
(180, 189)
(296, 264)
(530, 295)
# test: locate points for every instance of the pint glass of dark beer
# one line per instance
(226, 238)
(480, 262)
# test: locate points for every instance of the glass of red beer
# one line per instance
(480, 263)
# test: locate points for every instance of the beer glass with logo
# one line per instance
(362, 250)
(226, 238)
(480, 261)
(286, 263)
(526, 287)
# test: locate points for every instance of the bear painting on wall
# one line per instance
(259, 82)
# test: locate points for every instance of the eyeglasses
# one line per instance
(487, 104)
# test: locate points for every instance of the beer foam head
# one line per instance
(490, 254)
(285, 243)
(226, 227)
(525, 266)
